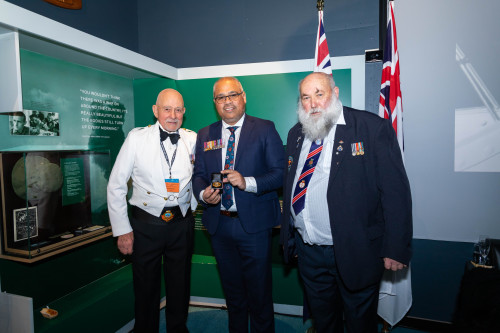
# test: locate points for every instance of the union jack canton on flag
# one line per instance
(390, 103)
(322, 57)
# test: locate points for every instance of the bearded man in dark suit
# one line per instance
(347, 207)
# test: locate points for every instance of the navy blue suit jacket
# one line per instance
(259, 154)
(369, 200)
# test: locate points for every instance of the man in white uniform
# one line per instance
(159, 160)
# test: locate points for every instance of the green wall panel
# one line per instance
(271, 96)
(198, 99)
(96, 109)
(58, 276)
(145, 93)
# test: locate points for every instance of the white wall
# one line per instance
(448, 205)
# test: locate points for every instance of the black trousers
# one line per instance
(330, 301)
(171, 241)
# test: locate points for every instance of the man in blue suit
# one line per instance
(347, 207)
(240, 216)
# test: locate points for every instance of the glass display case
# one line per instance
(52, 201)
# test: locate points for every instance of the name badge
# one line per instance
(172, 185)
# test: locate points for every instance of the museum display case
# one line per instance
(52, 201)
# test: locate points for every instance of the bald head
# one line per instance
(168, 93)
(226, 80)
(319, 79)
(169, 109)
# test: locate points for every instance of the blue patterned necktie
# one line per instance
(299, 194)
(227, 194)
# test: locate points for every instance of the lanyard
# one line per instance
(166, 157)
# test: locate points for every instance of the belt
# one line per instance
(168, 214)
(229, 214)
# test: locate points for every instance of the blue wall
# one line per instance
(111, 20)
(206, 33)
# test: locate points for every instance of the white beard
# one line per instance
(317, 127)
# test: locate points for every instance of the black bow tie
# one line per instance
(174, 137)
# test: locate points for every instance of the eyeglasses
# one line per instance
(222, 99)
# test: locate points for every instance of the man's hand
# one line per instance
(211, 196)
(126, 243)
(234, 178)
(393, 265)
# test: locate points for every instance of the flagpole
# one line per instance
(320, 4)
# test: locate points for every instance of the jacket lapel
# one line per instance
(156, 154)
(342, 143)
(294, 152)
(245, 138)
(215, 133)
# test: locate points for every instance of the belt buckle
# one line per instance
(167, 216)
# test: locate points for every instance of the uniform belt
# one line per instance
(229, 214)
(168, 215)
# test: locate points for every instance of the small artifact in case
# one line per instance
(49, 313)
(217, 181)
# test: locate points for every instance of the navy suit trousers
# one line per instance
(244, 262)
(330, 301)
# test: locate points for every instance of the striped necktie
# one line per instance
(227, 195)
(299, 194)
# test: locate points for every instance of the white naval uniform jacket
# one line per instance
(140, 159)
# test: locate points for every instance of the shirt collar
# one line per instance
(239, 123)
(341, 120)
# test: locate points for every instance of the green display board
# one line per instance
(95, 109)
(73, 190)
(272, 96)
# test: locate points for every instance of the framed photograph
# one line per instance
(18, 124)
(25, 223)
(37, 123)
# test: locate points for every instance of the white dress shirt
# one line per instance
(313, 222)
(251, 183)
(179, 167)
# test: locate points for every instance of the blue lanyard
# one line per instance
(166, 157)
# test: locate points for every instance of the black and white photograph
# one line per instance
(42, 123)
(25, 223)
(18, 124)
(35, 123)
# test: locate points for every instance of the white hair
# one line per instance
(317, 127)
